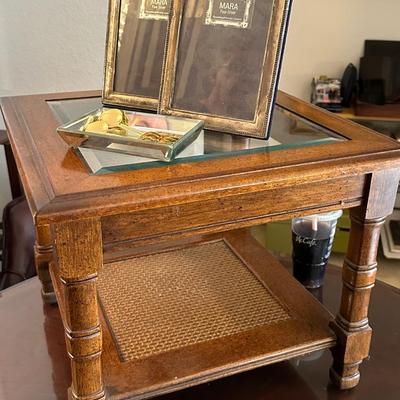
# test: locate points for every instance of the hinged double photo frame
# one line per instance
(218, 61)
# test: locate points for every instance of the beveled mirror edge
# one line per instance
(255, 128)
(109, 95)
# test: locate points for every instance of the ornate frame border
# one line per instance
(110, 96)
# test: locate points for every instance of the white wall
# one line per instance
(58, 45)
(49, 46)
(325, 35)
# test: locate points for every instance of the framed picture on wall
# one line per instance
(136, 38)
(222, 62)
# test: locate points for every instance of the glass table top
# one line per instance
(287, 131)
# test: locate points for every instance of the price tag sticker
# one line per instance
(155, 9)
(233, 13)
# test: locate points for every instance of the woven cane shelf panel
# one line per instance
(162, 302)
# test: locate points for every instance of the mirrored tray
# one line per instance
(136, 133)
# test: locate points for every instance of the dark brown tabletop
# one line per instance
(34, 365)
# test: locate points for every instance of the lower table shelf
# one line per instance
(186, 315)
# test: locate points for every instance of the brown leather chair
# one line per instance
(18, 237)
(15, 184)
(18, 243)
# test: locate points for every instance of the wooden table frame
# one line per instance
(84, 219)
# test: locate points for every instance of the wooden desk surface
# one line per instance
(84, 218)
(34, 364)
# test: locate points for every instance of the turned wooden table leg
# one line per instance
(43, 256)
(80, 256)
(351, 325)
(359, 272)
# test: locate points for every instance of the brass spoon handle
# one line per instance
(131, 129)
(141, 133)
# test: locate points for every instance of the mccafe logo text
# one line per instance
(306, 241)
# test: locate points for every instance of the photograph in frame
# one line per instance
(137, 33)
(222, 62)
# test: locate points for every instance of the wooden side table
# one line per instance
(184, 298)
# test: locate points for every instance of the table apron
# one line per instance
(236, 211)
